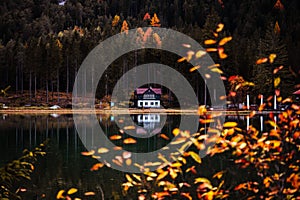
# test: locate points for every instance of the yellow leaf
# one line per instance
(129, 127)
(229, 124)
(272, 123)
(176, 131)
(195, 156)
(129, 178)
(209, 195)
(220, 28)
(103, 150)
(201, 180)
(200, 53)
(137, 177)
(115, 20)
(128, 162)
(225, 40)
(276, 82)
(151, 174)
(72, 191)
(217, 70)
(272, 58)
(173, 174)
(60, 194)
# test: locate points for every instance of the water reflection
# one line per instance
(64, 167)
(148, 124)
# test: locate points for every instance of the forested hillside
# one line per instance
(43, 43)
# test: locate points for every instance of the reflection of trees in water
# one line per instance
(63, 167)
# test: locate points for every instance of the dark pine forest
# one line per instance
(43, 43)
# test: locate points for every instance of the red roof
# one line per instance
(143, 90)
(297, 92)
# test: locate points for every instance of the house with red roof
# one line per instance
(147, 97)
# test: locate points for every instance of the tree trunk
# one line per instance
(22, 81)
(47, 92)
(17, 88)
(35, 86)
(30, 93)
(67, 75)
(57, 85)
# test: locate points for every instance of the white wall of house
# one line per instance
(149, 103)
(149, 118)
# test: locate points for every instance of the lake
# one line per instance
(64, 167)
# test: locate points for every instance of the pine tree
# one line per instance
(263, 74)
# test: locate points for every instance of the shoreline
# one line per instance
(36, 111)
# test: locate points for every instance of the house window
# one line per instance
(152, 103)
(156, 103)
(146, 103)
(140, 103)
(149, 96)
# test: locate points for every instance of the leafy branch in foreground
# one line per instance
(19, 170)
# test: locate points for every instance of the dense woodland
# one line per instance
(43, 43)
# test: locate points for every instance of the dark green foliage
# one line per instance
(263, 75)
(30, 30)
(16, 172)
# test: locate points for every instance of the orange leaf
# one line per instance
(96, 166)
(211, 50)
(115, 137)
(225, 40)
(164, 136)
(186, 195)
(89, 193)
(181, 59)
(89, 153)
(209, 42)
(194, 68)
(129, 141)
(261, 60)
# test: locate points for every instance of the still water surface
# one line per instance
(64, 166)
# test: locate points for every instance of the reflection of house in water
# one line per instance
(147, 97)
(148, 124)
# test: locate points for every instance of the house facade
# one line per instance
(147, 97)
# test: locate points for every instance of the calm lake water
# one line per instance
(64, 166)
